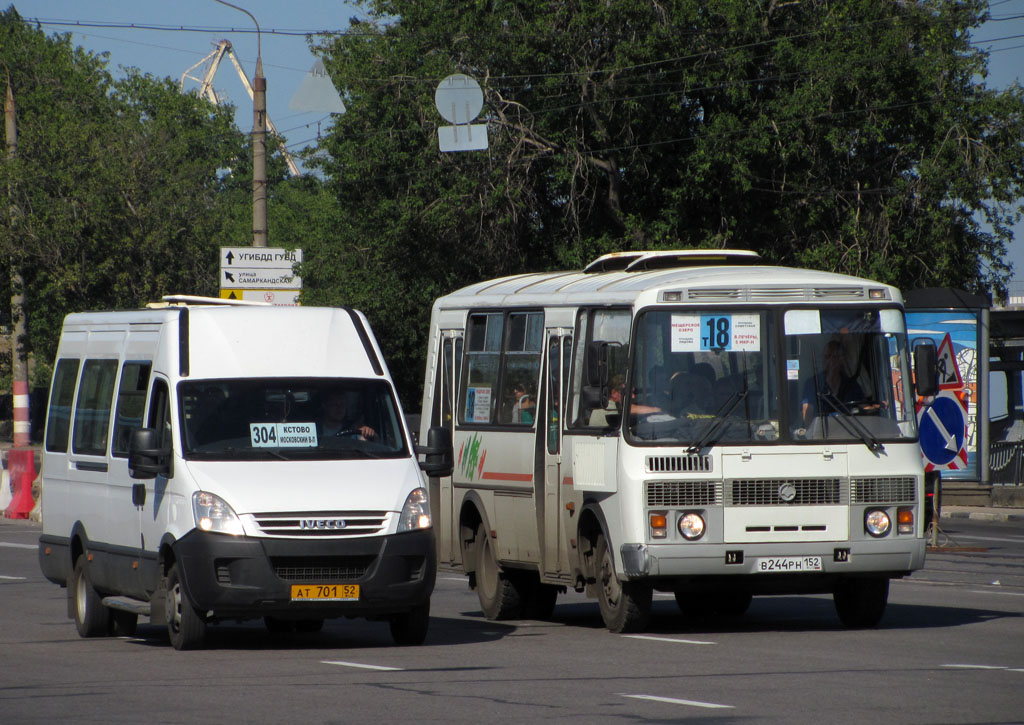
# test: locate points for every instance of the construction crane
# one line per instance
(206, 88)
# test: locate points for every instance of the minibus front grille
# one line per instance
(321, 568)
(321, 524)
(661, 494)
(890, 489)
(784, 492)
(678, 464)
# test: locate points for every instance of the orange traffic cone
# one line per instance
(22, 503)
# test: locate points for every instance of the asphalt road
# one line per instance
(949, 650)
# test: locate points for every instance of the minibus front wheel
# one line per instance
(185, 627)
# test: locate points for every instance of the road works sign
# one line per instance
(270, 296)
(259, 268)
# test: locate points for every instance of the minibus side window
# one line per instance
(131, 404)
(58, 418)
(483, 356)
(520, 368)
(92, 412)
(603, 354)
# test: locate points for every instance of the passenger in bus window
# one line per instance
(523, 409)
(832, 380)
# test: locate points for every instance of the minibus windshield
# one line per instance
(289, 419)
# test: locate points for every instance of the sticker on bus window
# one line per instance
(792, 369)
(478, 405)
(283, 435)
(735, 332)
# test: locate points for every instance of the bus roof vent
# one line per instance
(670, 259)
(778, 293)
(839, 293)
(713, 294)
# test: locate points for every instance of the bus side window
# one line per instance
(92, 412)
(131, 404)
(58, 423)
(160, 413)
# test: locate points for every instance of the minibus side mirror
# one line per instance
(439, 452)
(145, 459)
(926, 370)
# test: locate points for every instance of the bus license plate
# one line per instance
(771, 564)
(325, 592)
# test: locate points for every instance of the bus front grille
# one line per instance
(321, 569)
(321, 524)
(678, 464)
(661, 494)
(784, 492)
(890, 489)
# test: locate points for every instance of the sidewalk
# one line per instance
(983, 513)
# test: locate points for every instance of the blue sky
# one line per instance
(168, 51)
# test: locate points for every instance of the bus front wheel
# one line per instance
(861, 602)
(625, 605)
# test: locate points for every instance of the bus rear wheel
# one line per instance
(861, 602)
(625, 605)
(92, 619)
(499, 598)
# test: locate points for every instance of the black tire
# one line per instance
(92, 619)
(409, 629)
(499, 598)
(186, 629)
(861, 602)
(123, 624)
(625, 605)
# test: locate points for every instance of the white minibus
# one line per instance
(208, 462)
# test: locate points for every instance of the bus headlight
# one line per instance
(415, 512)
(877, 522)
(213, 514)
(691, 526)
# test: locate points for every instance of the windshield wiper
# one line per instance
(850, 423)
(721, 416)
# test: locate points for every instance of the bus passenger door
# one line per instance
(559, 349)
(443, 413)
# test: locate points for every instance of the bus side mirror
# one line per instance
(439, 454)
(926, 370)
(597, 364)
(145, 459)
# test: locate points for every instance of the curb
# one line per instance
(983, 516)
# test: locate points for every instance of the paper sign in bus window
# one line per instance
(283, 435)
(478, 405)
(735, 332)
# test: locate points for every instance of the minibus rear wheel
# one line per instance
(92, 619)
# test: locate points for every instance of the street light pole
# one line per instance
(259, 142)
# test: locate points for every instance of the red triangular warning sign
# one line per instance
(949, 373)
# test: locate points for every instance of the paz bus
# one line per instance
(692, 422)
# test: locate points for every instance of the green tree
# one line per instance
(121, 189)
(851, 136)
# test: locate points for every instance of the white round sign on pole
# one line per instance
(458, 99)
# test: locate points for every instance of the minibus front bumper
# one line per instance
(239, 577)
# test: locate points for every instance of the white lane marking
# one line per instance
(978, 667)
(996, 591)
(18, 546)
(452, 579)
(361, 666)
(674, 701)
(666, 639)
(15, 578)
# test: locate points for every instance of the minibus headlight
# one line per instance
(691, 526)
(877, 522)
(213, 514)
(415, 512)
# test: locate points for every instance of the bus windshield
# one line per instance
(289, 419)
(706, 376)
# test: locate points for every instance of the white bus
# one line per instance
(683, 421)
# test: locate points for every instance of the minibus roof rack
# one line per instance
(670, 259)
(186, 300)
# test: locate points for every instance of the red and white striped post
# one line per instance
(21, 430)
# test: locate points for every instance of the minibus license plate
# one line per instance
(768, 564)
(325, 592)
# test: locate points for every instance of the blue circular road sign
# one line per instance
(942, 430)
